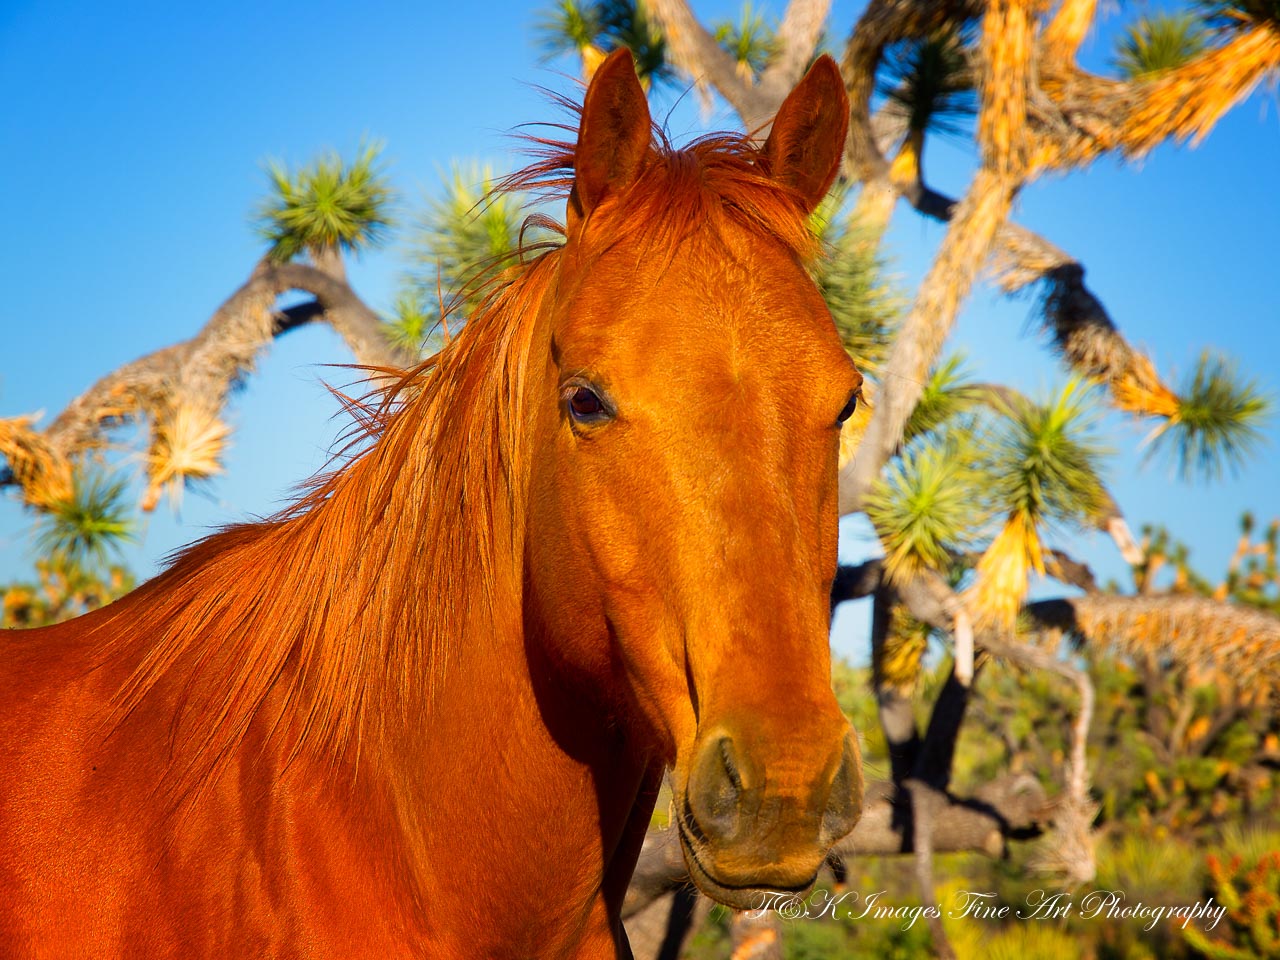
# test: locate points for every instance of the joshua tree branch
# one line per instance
(893, 702)
(1066, 569)
(349, 316)
(695, 51)
(206, 366)
(969, 238)
(299, 315)
(854, 583)
(1084, 115)
(797, 36)
(1083, 333)
(1067, 29)
(882, 23)
(1181, 628)
(660, 869)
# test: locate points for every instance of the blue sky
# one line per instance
(133, 143)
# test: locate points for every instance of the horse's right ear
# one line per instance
(613, 137)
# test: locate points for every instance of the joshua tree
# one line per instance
(179, 392)
(960, 480)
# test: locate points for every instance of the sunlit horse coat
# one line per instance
(425, 713)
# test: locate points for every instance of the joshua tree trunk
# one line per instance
(916, 347)
(329, 261)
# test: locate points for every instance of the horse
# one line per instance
(425, 711)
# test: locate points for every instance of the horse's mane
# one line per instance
(338, 611)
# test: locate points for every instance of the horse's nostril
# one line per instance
(730, 766)
(715, 789)
(844, 803)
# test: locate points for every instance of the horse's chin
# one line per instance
(737, 897)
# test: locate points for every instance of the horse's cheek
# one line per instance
(566, 554)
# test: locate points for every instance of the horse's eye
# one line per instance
(849, 407)
(585, 405)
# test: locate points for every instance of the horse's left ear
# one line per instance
(613, 138)
(807, 140)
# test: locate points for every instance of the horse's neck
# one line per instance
(516, 776)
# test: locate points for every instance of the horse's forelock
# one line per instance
(679, 188)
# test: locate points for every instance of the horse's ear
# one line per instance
(807, 140)
(613, 137)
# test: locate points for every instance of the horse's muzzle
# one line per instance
(747, 831)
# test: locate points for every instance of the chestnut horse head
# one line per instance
(682, 517)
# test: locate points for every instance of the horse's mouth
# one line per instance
(737, 896)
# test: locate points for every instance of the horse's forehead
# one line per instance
(715, 300)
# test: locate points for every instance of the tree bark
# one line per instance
(201, 371)
(695, 51)
(916, 347)
(797, 38)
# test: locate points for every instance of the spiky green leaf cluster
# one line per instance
(752, 40)
(411, 323)
(926, 503)
(327, 204)
(572, 26)
(851, 277)
(90, 524)
(466, 235)
(929, 81)
(626, 23)
(569, 27)
(1218, 423)
(977, 454)
(948, 394)
(1158, 43)
(1046, 460)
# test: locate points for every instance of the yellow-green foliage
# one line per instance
(1150, 863)
(1033, 940)
(65, 589)
(1248, 842)
(1251, 895)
